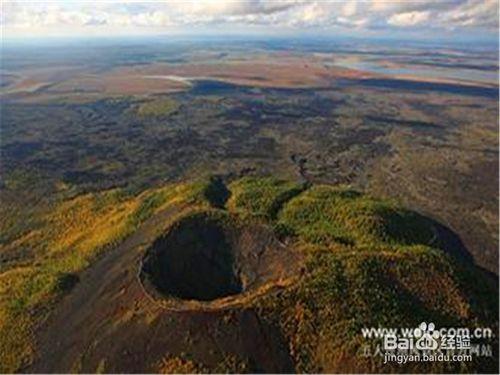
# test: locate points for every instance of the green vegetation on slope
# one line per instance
(328, 214)
(261, 196)
(67, 239)
(343, 291)
(370, 263)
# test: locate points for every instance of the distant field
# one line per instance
(157, 107)
(263, 70)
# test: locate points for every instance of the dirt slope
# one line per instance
(108, 323)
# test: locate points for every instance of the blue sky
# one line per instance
(460, 19)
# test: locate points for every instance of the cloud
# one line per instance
(349, 9)
(408, 18)
(156, 16)
(473, 14)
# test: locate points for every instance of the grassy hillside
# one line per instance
(344, 291)
(67, 238)
(261, 196)
(370, 263)
(327, 214)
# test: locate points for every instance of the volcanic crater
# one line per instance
(214, 259)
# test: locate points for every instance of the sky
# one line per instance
(422, 19)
